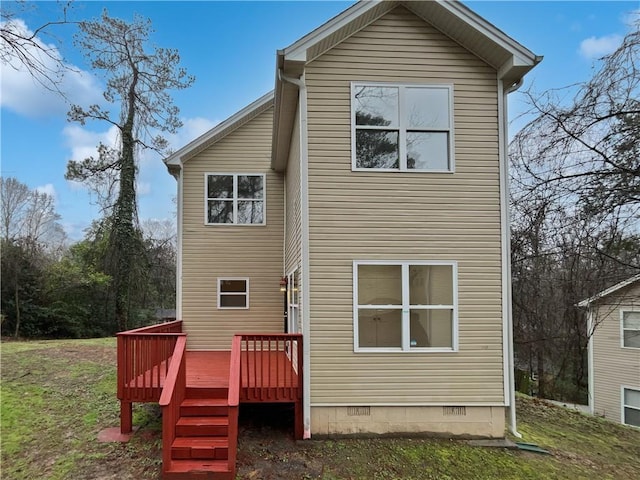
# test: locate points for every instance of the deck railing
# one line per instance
(271, 367)
(173, 393)
(144, 358)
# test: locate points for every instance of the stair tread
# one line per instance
(200, 442)
(217, 421)
(205, 402)
(179, 466)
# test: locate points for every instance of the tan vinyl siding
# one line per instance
(404, 216)
(213, 251)
(614, 366)
(292, 184)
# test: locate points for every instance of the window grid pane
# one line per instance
(422, 140)
(235, 199)
(385, 311)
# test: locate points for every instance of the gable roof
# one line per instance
(609, 291)
(218, 132)
(510, 59)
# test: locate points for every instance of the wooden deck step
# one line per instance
(202, 427)
(202, 407)
(198, 469)
(213, 448)
(207, 392)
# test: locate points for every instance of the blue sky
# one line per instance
(230, 48)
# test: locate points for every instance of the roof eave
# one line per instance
(604, 293)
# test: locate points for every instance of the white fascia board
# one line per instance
(177, 157)
(609, 291)
(298, 50)
(490, 31)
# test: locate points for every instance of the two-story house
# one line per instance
(614, 352)
(363, 205)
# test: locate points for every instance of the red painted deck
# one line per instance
(210, 369)
(200, 392)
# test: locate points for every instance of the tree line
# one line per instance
(57, 289)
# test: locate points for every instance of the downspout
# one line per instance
(179, 243)
(503, 128)
(304, 220)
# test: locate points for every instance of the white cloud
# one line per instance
(596, 47)
(83, 143)
(49, 189)
(143, 188)
(23, 94)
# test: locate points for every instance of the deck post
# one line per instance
(126, 417)
(298, 421)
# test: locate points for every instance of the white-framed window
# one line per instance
(402, 127)
(630, 328)
(234, 198)
(233, 293)
(405, 306)
(631, 406)
(293, 301)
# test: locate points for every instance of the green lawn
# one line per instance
(57, 395)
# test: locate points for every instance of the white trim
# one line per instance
(179, 243)
(405, 307)
(246, 114)
(623, 406)
(298, 50)
(306, 262)
(624, 310)
(410, 404)
(235, 199)
(238, 294)
(610, 290)
(402, 127)
(292, 285)
(590, 365)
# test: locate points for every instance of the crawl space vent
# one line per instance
(454, 411)
(359, 411)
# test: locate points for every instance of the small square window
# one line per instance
(233, 293)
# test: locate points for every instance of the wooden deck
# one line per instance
(210, 369)
(200, 392)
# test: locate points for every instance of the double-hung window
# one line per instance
(233, 293)
(631, 406)
(234, 199)
(405, 306)
(402, 127)
(630, 329)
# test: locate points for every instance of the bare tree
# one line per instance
(138, 80)
(22, 48)
(591, 147)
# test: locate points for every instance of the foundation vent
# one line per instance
(359, 411)
(454, 411)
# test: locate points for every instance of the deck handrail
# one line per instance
(233, 400)
(271, 376)
(143, 358)
(166, 327)
(173, 394)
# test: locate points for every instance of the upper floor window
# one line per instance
(631, 329)
(402, 127)
(234, 199)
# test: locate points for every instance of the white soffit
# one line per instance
(610, 290)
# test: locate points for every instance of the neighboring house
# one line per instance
(614, 352)
(370, 186)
